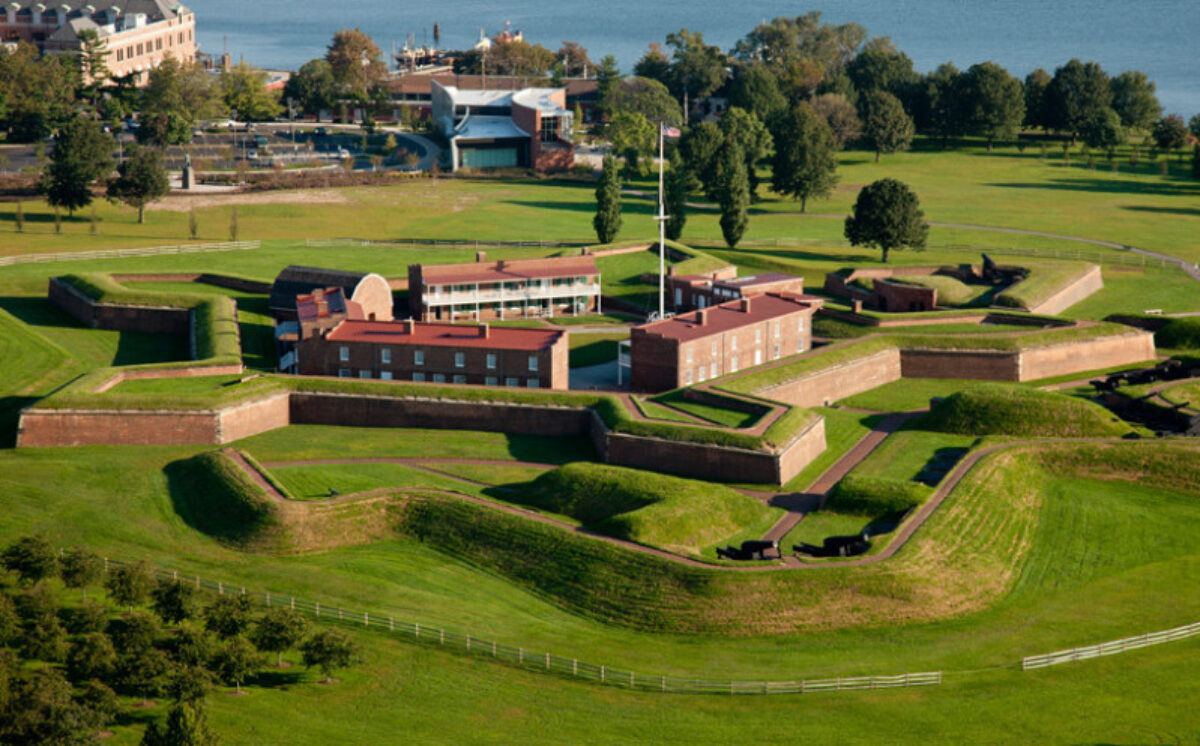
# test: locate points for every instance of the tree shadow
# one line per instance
(1104, 186)
(138, 348)
(1188, 211)
(274, 678)
(38, 311)
(628, 205)
(939, 465)
(550, 449)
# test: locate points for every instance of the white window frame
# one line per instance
(687, 377)
(512, 381)
(419, 377)
(491, 381)
(385, 355)
(418, 357)
(364, 373)
(343, 372)
(439, 377)
(460, 360)
(385, 375)
(460, 378)
(491, 361)
(533, 362)
(533, 383)
(343, 353)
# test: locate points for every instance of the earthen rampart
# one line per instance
(1090, 282)
(118, 317)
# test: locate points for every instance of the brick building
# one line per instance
(438, 353)
(705, 344)
(136, 34)
(527, 128)
(506, 289)
(690, 292)
(368, 291)
(415, 89)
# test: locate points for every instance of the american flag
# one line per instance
(669, 131)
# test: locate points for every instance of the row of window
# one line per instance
(700, 374)
(150, 46)
(386, 375)
(758, 338)
(460, 358)
(519, 285)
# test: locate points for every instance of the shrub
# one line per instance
(872, 496)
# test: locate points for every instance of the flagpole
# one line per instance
(662, 231)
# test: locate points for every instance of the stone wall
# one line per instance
(1092, 281)
(838, 382)
(370, 411)
(979, 365)
(1135, 346)
(253, 417)
(66, 427)
(125, 318)
(898, 297)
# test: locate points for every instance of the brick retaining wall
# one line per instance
(838, 382)
(1135, 346)
(1091, 282)
(125, 318)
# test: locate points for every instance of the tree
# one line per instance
(654, 64)
(278, 630)
(697, 69)
(632, 135)
(93, 64)
(1103, 130)
(608, 75)
(164, 128)
(995, 102)
(179, 96)
(313, 87)
(190, 684)
(840, 115)
(92, 656)
(944, 106)
(675, 197)
(699, 146)
(886, 126)
(329, 650)
(42, 636)
(573, 59)
(80, 568)
(174, 601)
(141, 179)
(356, 62)
(887, 215)
(607, 221)
(1194, 126)
(1196, 161)
(782, 40)
(82, 154)
(734, 194)
(642, 96)
(32, 558)
(236, 660)
(186, 725)
(752, 138)
(10, 623)
(129, 584)
(1170, 133)
(134, 633)
(87, 617)
(756, 89)
(1036, 85)
(1134, 101)
(192, 646)
(1075, 94)
(805, 162)
(99, 705)
(145, 674)
(228, 615)
(245, 89)
(879, 66)
(42, 711)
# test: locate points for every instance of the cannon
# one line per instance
(751, 550)
(836, 546)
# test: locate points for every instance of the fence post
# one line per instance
(631, 679)
(602, 673)
(663, 682)
(520, 655)
(416, 630)
(293, 603)
(547, 661)
(443, 636)
(366, 619)
(574, 667)
(268, 595)
(220, 588)
(197, 582)
(339, 613)
(493, 648)
(106, 564)
(318, 607)
(175, 575)
(391, 624)
(468, 642)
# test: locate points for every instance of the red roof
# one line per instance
(321, 304)
(767, 278)
(729, 316)
(443, 335)
(508, 270)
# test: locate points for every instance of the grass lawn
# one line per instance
(906, 394)
(822, 523)
(597, 319)
(915, 455)
(492, 474)
(316, 482)
(620, 277)
(842, 431)
(594, 348)
(706, 411)
(308, 442)
(659, 412)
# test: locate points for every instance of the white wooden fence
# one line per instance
(543, 661)
(66, 256)
(1110, 648)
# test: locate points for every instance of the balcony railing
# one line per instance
(574, 290)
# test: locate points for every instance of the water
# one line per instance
(1157, 37)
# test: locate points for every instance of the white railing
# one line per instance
(1110, 648)
(66, 256)
(501, 296)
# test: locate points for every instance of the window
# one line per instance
(712, 370)
(800, 345)
(385, 375)
(343, 372)
(776, 356)
(120, 54)
(733, 342)
(533, 383)
(157, 44)
(418, 357)
(700, 373)
(800, 324)
(140, 48)
(510, 381)
(491, 361)
(733, 364)
(549, 129)
(419, 377)
(714, 347)
(687, 377)
(758, 335)
(533, 363)
(460, 359)
(758, 357)
(385, 356)
(364, 373)
(439, 378)
(688, 356)
(776, 330)
(491, 381)
(343, 353)
(460, 378)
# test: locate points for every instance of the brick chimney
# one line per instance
(484, 331)
(670, 271)
(480, 256)
(745, 305)
(410, 326)
(702, 316)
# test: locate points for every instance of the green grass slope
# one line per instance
(997, 409)
(669, 512)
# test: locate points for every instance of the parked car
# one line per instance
(252, 155)
(320, 132)
(260, 141)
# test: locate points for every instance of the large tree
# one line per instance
(37, 93)
(237, 660)
(697, 69)
(1103, 130)
(81, 568)
(245, 90)
(82, 154)
(1170, 133)
(994, 101)
(228, 615)
(887, 215)
(783, 40)
(841, 116)
(608, 75)
(313, 87)
(756, 89)
(329, 650)
(186, 725)
(944, 108)
(607, 221)
(643, 96)
(1036, 85)
(752, 138)
(129, 584)
(654, 64)
(879, 66)
(633, 136)
(141, 179)
(175, 601)
(32, 558)
(185, 92)
(886, 125)
(1077, 91)
(1134, 101)
(699, 147)
(357, 63)
(805, 162)
(573, 61)
(733, 193)
(278, 630)
(675, 196)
